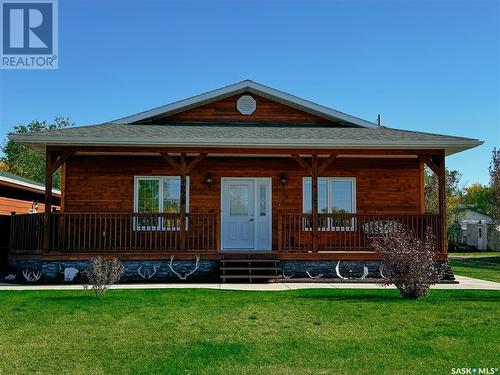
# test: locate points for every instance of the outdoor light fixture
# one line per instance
(283, 179)
(209, 179)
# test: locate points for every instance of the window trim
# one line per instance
(161, 179)
(329, 201)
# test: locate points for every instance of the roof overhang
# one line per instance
(450, 147)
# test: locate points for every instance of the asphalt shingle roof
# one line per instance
(240, 135)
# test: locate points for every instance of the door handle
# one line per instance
(251, 219)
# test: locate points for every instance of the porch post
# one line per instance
(314, 200)
(47, 222)
(442, 203)
(182, 229)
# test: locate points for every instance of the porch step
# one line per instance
(249, 267)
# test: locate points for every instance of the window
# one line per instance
(336, 195)
(154, 195)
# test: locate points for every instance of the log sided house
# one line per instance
(245, 171)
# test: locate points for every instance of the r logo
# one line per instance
(27, 28)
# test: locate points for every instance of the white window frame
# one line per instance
(160, 226)
(329, 201)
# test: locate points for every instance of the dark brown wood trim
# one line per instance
(326, 163)
(302, 163)
(61, 159)
(333, 256)
(197, 160)
(250, 151)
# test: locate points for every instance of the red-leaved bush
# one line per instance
(409, 263)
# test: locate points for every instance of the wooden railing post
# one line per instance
(280, 231)
(47, 222)
(182, 229)
(314, 201)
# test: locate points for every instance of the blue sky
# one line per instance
(427, 66)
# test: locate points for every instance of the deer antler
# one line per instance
(337, 271)
(184, 277)
(148, 275)
(318, 276)
(32, 276)
(287, 276)
(380, 270)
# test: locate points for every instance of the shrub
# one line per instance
(103, 273)
(409, 261)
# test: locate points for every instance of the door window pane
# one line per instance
(262, 199)
(238, 200)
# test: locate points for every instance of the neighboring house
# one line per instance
(21, 196)
(245, 171)
(478, 230)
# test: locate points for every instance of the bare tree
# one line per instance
(102, 274)
(495, 185)
(409, 261)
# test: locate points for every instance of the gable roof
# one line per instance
(24, 183)
(248, 86)
(356, 133)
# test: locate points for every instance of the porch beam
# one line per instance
(326, 163)
(249, 151)
(197, 160)
(47, 222)
(302, 163)
(60, 160)
(170, 160)
(442, 202)
(428, 160)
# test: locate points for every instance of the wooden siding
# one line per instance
(9, 205)
(106, 183)
(224, 110)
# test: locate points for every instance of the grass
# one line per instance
(485, 265)
(232, 332)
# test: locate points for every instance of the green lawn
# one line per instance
(209, 331)
(484, 265)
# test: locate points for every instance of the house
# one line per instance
(21, 196)
(478, 230)
(244, 172)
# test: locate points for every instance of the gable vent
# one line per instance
(246, 105)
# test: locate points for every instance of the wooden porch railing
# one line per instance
(346, 232)
(137, 232)
(116, 232)
(26, 233)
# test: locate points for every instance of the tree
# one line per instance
(26, 162)
(478, 197)
(453, 194)
(495, 185)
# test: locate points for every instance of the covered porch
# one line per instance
(295, 231)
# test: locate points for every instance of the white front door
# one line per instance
(246, 213)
